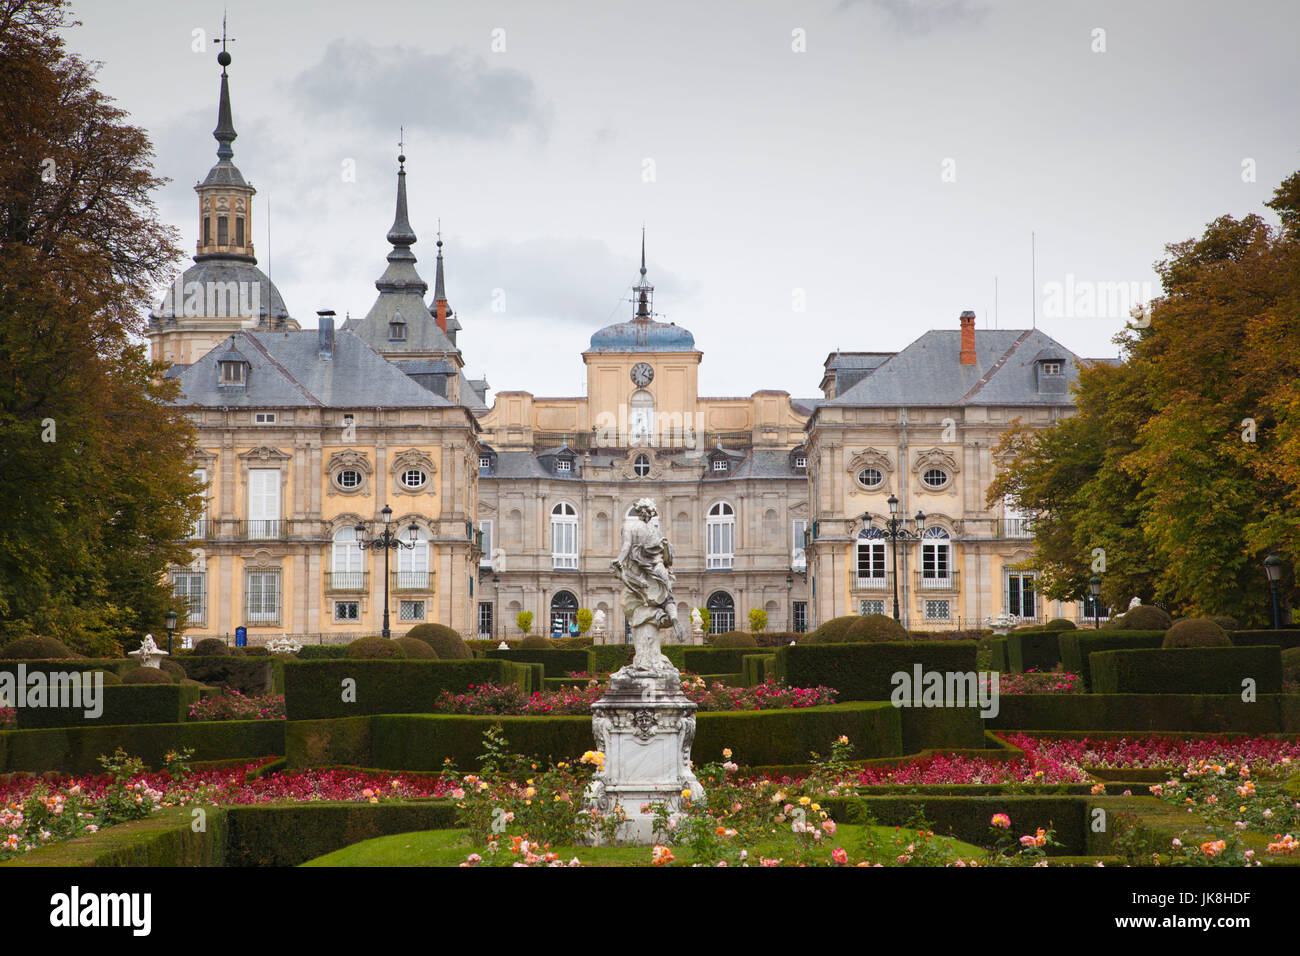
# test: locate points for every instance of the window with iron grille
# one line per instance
(871, 607)
(263, 597)
(800, 617)
(410, 611)
(936, 610)
(485, 617)
(191, 587)
(347, 611)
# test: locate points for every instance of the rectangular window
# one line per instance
(207, 230)
(800, 617)
(1051, 368)
(263, 597)
(264, 418)
(199, 529)
(798, 535)
(484, 462)
(410, 611)
(562, 465)
(347, 611)
(223, 230)
(871, 607)
(239, 230)
(485, 527)
(191, 588)
(721, 542)
(1021, 601)
(934, 565)
(564, 544)
(800, 461)
(720, 464)
(722, 620)
(1093, 606)
(871, 564)
(936, 610)
(263, 503)
(232, 373)
(485, 618)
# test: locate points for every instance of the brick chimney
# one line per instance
(968, 338)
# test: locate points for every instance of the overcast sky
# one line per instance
(812, 175)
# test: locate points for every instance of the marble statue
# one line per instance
(598, 627)
(643, 565)
(149, 654)
(697, 626)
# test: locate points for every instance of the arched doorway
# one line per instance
(722, 612)
(564, 613)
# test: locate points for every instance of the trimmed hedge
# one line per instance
(121, 704)
(707, 660)
(998, 655)
(248, 675)
(115, 664)
(1077, 646)
(314, 689)
(557, 663)
(1129, 713)
(165, 838)
(322, 652)
(423, 742)
(1187, 670)
(864, 671)
(756, 668)
(607, 658)
(268, 835)
(76, 749)
(1282, 637)
(1039, 648)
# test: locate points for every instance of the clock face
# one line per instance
(642, 374)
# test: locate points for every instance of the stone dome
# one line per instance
(642, 335)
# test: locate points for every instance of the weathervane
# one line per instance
(223, 57)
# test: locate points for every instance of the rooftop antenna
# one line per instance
(1033, 277)
(995, 302)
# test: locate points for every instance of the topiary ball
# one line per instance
(1060, 624)
(415, 649)
(876, 629)
(446, 643)
(109, 677)
(834, 631)
(34, 648)
(734, 639)
(171, 667)
(1145, 617)
(211, 647)
(1226, 622)
(375, 648)
(146, 675)
(535, 642)
(1196, 632)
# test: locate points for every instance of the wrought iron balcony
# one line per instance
(338, 581)
(883, 582)
(1015, 528)
(929, 581)
(412, 580)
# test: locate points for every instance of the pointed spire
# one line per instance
(224, 134)
(644, 290)
(400, 274)
(439, 289)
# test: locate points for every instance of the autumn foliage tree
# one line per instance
(95, 485)
(1181, 469)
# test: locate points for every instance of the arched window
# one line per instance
(720, 536)
(564, 537)
(936, 559)
(413, 565)
(347, 563)
(722, 612)
(871, 559)
(641, 418)
(564, 614)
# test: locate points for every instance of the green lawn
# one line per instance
(450, 847)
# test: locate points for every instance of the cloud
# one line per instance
(919, 17)
(443, 95)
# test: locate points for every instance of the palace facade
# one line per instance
(771, 502)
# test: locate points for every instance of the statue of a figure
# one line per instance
(643, 567)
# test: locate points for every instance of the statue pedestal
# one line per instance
(644, 725)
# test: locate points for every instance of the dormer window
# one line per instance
(1051, 368)
(563, 465)
(232, 372)
(397, 331)
(484, 462)
(801, 461)
(719, 465)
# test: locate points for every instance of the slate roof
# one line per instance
(929, 372)
(855, 360)
(220, 270)
(286, 371)
(766, 463)
(642, 335)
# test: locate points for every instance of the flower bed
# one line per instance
(1040, 682)
(236, 706)
(490, 699)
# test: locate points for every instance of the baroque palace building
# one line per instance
(770, 502)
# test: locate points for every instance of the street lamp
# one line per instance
(1273, 568)
(388, 540)
(1094, 588)
(496, 593)
(169, 620)
(896, 530)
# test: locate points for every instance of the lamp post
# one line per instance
(388, 540)
(1094, 588)
(496, 594)
(169, 620)
(896, 530)
(1273, 568)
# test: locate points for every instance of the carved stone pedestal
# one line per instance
(644, 725)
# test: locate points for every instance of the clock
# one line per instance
(642, 374)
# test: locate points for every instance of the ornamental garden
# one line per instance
(1147, 742)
